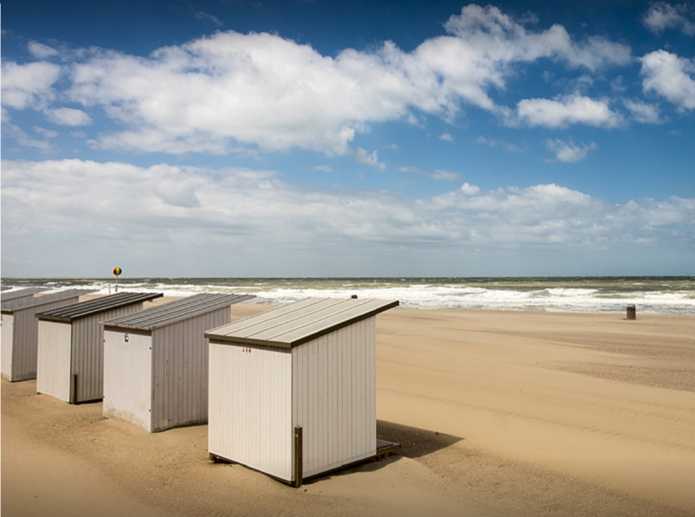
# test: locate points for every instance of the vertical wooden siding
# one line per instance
(53, 359)
(334, 397)
(250, 407)
(128, 377)
(88, 351)
(25, 338)
(6, 346)
(180, 370)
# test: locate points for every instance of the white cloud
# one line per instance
(569, 152)
(493, 142)
(565, 110)
(662, 16)
(363, 157)
(41, 51)
(470, 190)
(200, 15)
(643, 112)
(670, 76)
(230, 92)
(445, 175)
(46, 133)
(69, 117)
(28, 86)
(446, 137)
(231, 217)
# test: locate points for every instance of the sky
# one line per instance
(311, 138)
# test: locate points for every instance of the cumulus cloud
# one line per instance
(41, 51)
(69, 117)
(168, 212)
(662, 16)
(566, 110)
(230, 91)
(643, 112)
(569, 152)
(28, 85)
(670, 76)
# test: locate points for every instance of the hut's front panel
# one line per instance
(334, 391)
(250, 408)
(180, 370)
(53, 361)
(88, 351)
(128, 377)
(6, 346)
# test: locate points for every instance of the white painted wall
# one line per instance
(6, 346)
(53, 359)
(250, 416)
(334, 391)
(128, 377)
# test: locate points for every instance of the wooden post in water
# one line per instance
(631, 312)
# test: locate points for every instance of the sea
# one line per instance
(649, 294)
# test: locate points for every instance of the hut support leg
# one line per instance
(298, 457)
(73, 388)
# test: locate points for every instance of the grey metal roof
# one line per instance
(90, 307)
(22, 293)
(10, 306)
(299, 322)
(178, 310)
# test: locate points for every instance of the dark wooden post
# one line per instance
(298, 457)
(631, 312)
(73, 388)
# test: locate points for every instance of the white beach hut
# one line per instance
(70, 363)
(20, 331)
(156, 361)
(293, 389)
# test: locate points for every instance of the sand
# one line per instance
(498, 413)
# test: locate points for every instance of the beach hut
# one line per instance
(156, 361)
(20, 331)
(21, 293)
(70, 363)
(293, 389)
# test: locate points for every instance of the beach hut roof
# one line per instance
(91, 307)
(9, 306)
(21, 293)
(299, 322)
(177, 310)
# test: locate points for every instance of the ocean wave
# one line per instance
(650, 294)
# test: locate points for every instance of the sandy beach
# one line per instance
(498, 414)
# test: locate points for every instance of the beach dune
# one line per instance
(498, 413)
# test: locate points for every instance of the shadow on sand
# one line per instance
(415, 443)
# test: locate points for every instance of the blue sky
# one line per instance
(336, 138)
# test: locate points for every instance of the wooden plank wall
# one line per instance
(334, 393)
(128, 377)
(26, 336)
(6, 345)
(53, 359)
(180, 370)
(88, 351)
(250, 407)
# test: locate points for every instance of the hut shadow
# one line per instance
(415, 443)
